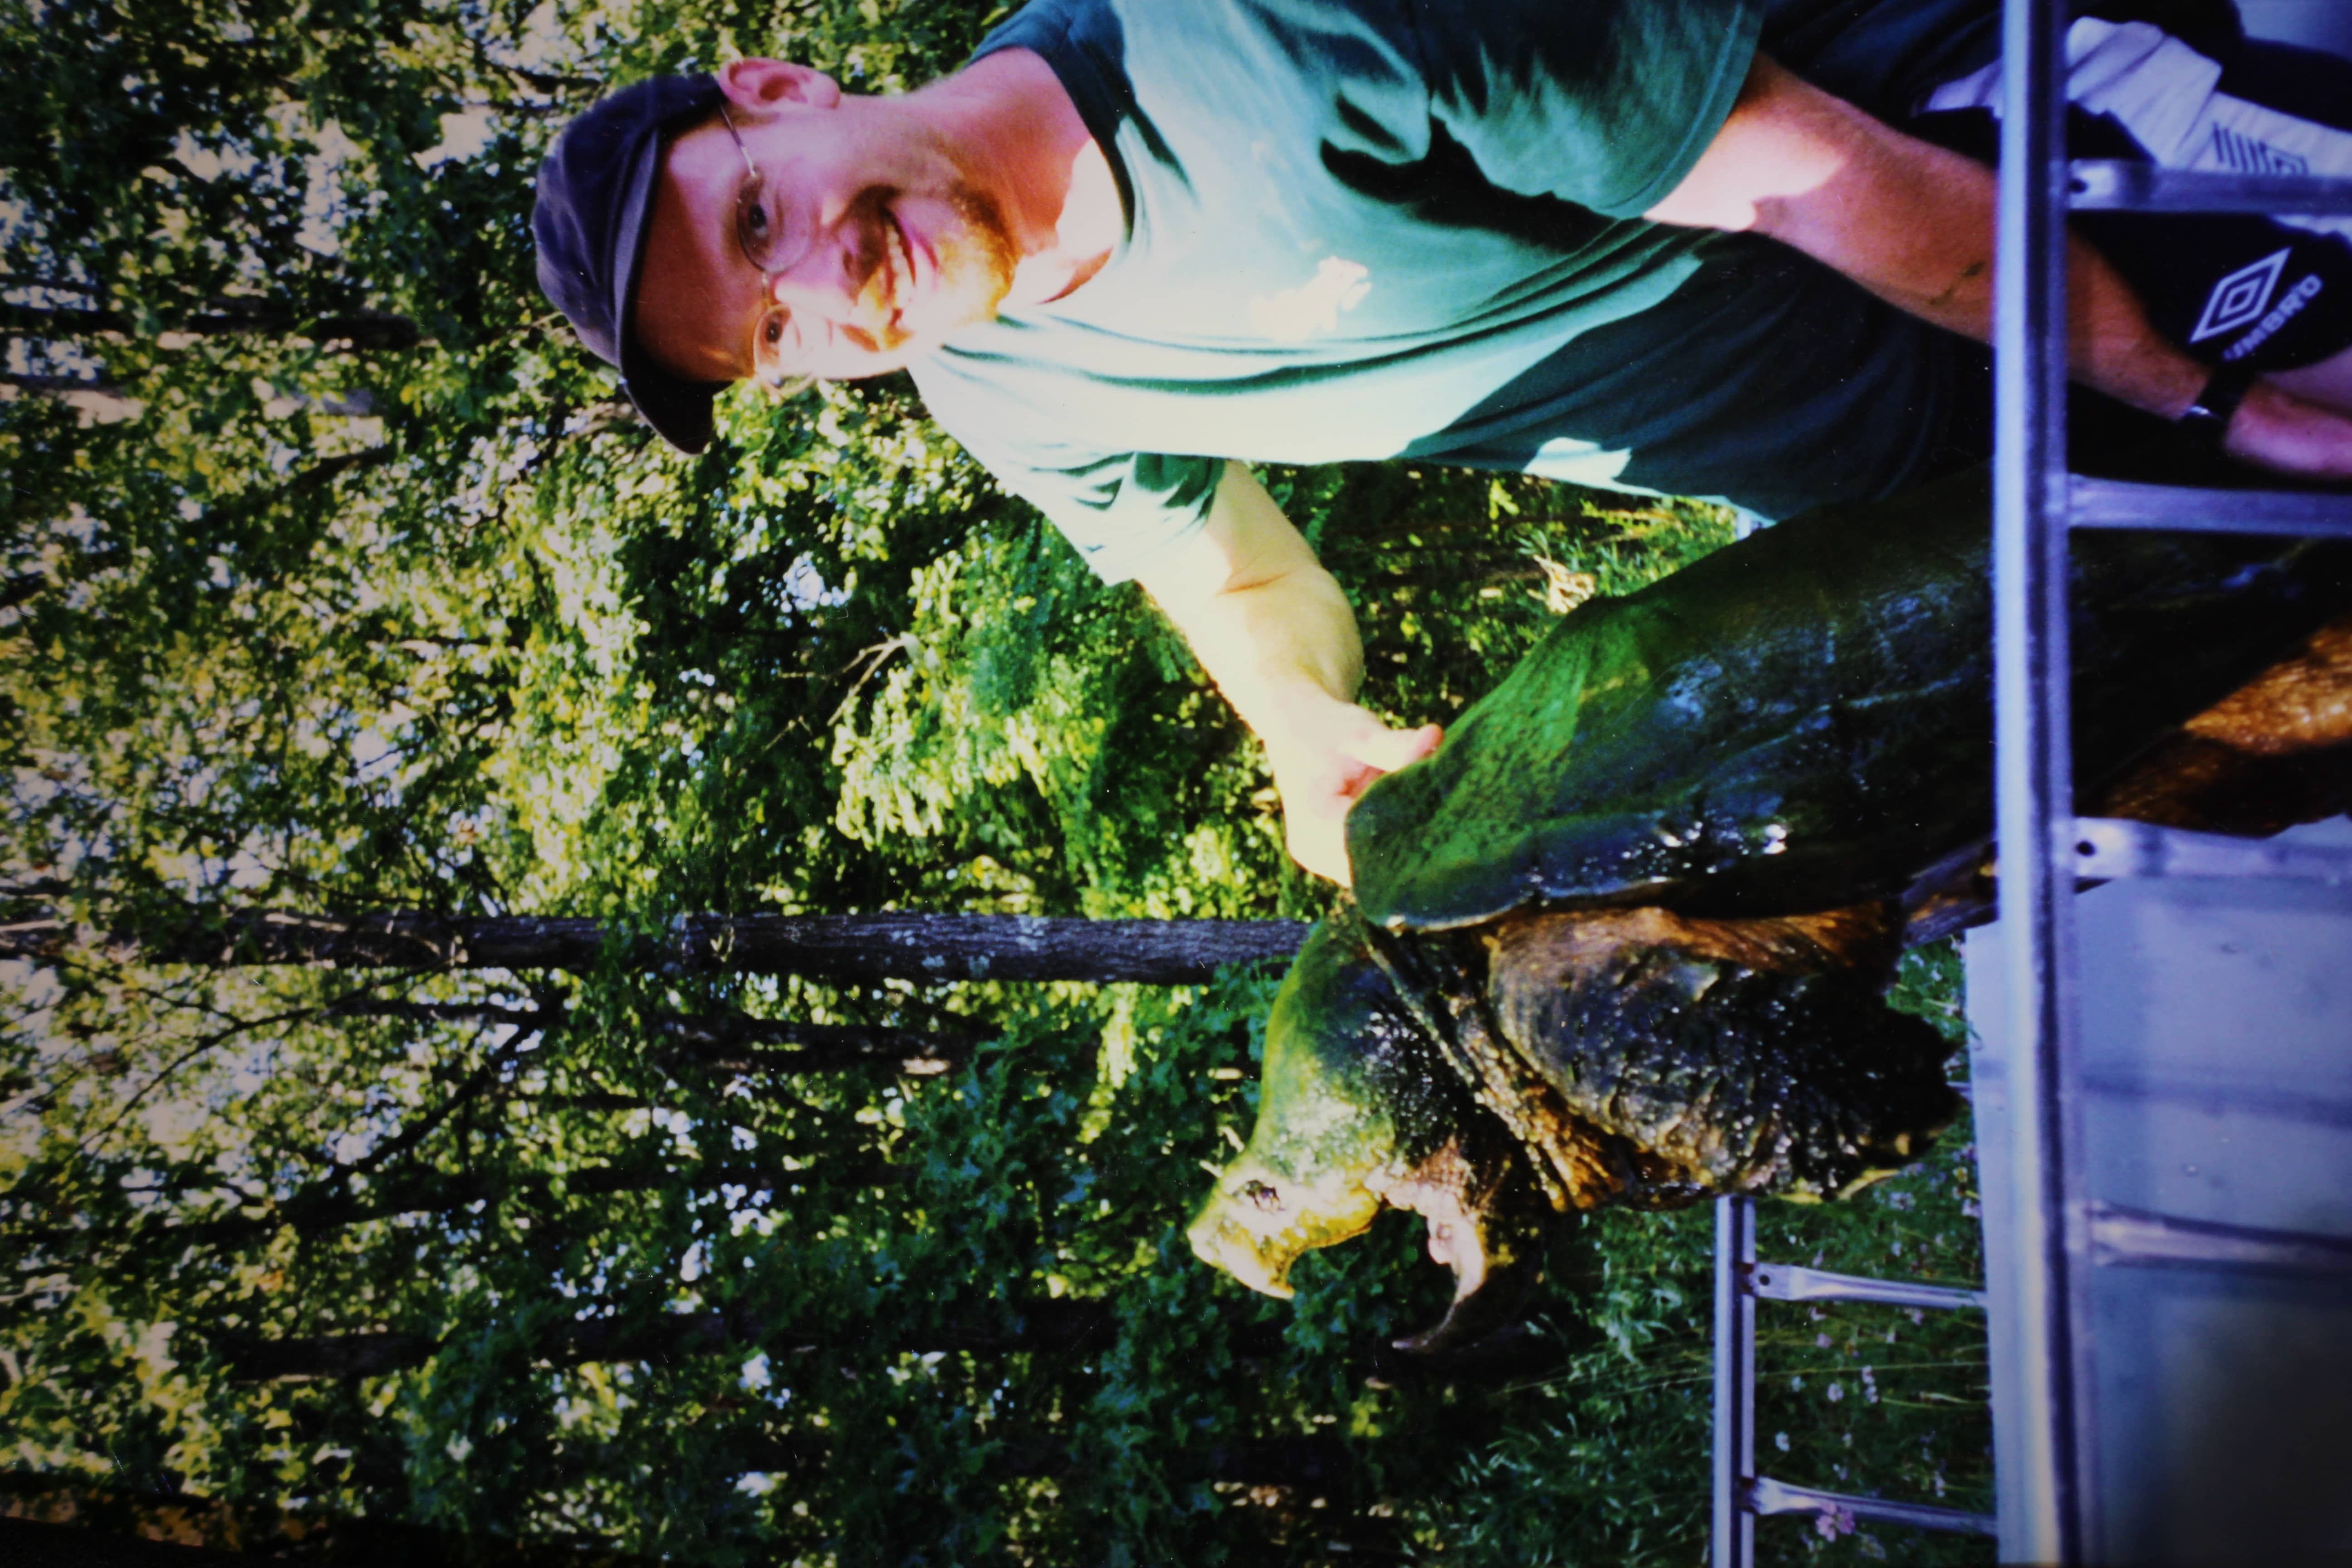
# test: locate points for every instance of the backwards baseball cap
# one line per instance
(595, 193)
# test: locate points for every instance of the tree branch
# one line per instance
(317, 476)
(931, 947)
(60, 385)
(719, 1042)
(320, 1210)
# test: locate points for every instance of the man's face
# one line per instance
(880, 242)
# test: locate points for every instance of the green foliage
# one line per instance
(345, 585)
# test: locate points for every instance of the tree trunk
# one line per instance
(835, 947)
(316, 1214)
(1050, 1325)
(360, 329)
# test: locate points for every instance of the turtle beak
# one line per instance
(1261, 1262)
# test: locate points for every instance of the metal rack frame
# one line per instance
(2046, 1427)
(2044, 1397)
(1741, 1495)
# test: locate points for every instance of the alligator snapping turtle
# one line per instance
(1625, 938)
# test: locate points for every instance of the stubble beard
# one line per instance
(976, 264)
(998, 257)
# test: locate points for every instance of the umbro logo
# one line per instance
(2240, 299)
(2247, 156)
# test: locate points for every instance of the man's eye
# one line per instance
(755, 228)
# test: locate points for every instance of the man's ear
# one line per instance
(762, 86)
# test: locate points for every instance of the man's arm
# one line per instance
(1914, 224)
(1274, 631)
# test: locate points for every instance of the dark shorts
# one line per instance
(2227, 289)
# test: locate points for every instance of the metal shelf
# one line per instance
(2107, 849)
(1786, 1282)
(2133, 1238)
(2116, 503)
(2049, 1239)
(2099, 185)
(1768, 1496)
(1741, 1495)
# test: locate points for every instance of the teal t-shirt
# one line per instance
(1383, 228)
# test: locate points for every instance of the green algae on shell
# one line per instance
(1803, 721)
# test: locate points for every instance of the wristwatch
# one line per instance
(2207, 420)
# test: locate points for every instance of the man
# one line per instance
(1618, 242)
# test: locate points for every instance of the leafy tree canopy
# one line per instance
(338, 582)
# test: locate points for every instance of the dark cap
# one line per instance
(595, 191)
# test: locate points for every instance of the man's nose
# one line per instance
(827, 282)
(828, 258)
(820, 278)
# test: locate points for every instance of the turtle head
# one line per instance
(1260, 1220)
(1327, 1125)
(1358, 1111)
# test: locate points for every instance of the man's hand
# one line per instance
(1327, 756)
(1274, 631)
(2277, 430)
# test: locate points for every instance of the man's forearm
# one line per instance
(1278, 650)
(1276, 634)
(1943, 273)
(1268, 623)
(1913, 224)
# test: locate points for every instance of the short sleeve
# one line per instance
(1121, 511)
(1604, 103)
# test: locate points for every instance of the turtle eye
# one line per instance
(1263, 1195)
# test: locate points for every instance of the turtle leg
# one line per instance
(2277, 751)
(1748, 1056)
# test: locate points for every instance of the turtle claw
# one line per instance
(1494, 1301)
(1494, 1244)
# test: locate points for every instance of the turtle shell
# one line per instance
(1803, 721)
(1644, 904)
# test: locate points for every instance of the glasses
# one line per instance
(776, 342)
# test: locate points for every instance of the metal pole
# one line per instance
(2036, 1395)
(1735, 1382)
